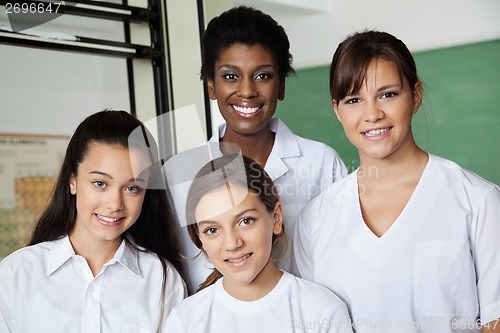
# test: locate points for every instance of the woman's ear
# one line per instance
(335, 109)
(211, 89)
(278, 218)
(417, 96)
(72, 184)
(281, 92)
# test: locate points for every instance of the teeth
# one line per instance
(377, 132)
(107, 219)
(246, 110)
(238, 260)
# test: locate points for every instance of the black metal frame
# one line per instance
(111, 11)
(208, 116)
(127, 50)
(156, 52)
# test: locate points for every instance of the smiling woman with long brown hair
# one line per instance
(103, 256)
(409, 240)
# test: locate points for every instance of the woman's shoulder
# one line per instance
(315, 292)
(190, 314)
(306, 146)
(27, 258)
(150, 260)
(200, 300)
(341, 190)
(458, 176)
(313, 147)
(320, 304)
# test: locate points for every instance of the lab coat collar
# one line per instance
(285, 146)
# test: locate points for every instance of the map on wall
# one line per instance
(29, 166)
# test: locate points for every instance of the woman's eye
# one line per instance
(99, 184)
(352, 101)
(388, 94)
(246, 221)
(210, 231)
(133, 189)
(263, 76)
(229, 76)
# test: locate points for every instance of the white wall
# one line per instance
(425, 24)
(187, 89)
(50, 92)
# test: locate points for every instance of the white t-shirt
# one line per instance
(48, 288)
(294, 305)
(437, 269)
(300, 168)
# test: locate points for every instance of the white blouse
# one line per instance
(48, 288)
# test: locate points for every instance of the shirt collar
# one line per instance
(285, 145)
(62, 250)
(128, 256)
(285, 142)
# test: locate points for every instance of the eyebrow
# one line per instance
(389, 86)
(235, 217)
(107, 175)
(229, 66)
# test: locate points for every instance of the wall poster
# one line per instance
(29, 166)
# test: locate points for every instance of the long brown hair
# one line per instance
(154, 229)
(208, 179)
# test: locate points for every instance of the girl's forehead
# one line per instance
(375, 70)
(225, 202)
(105, 149)
(116, 160)
(378, 68)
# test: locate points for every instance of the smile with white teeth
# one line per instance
(107, 219)
(238, 260)
(377, 131)
(246, 110)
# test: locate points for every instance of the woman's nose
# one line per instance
(373, 112)
(232, 241)
(114, 201)
(246, 88)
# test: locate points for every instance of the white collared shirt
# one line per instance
(300, 168)
(48, 288)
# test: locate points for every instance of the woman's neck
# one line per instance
(395, 168)
(97, 253)
(257, 146)
(262, 285)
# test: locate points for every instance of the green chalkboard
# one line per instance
(459, 118)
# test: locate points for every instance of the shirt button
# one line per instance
(92, 289)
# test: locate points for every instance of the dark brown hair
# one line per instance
(154, 229)
(354, 54)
